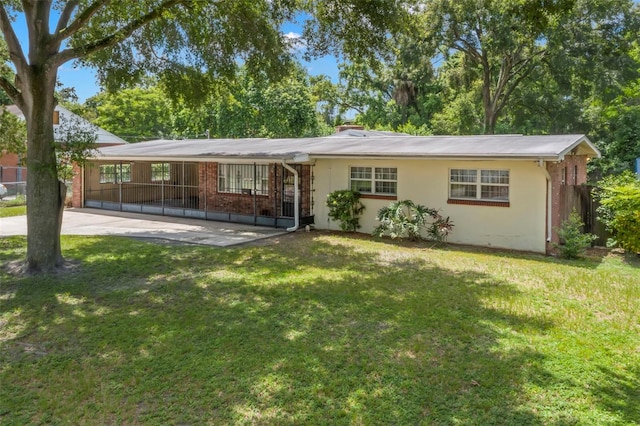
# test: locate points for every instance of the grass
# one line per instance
(318, 329)
(13, 211)
(14, 207)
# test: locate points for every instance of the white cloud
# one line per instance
(294, 40)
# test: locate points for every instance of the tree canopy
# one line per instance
(186, 43)
(530, 67)
(249, 106)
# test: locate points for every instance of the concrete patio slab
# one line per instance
(184, 230)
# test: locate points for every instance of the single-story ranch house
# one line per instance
(499, 190)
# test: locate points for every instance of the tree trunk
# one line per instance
(490, 118)
(43, 190)
(487, 101)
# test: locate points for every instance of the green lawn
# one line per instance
(13, 211)
(14, 207)
(318, 329)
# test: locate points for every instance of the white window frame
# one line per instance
(120, 173)
(479, 181)
(238, 178)
(163, 175)
(117, 175)
(107, 176)
(375, 177)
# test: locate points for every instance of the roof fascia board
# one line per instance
(232, 160)
(583, 140)
(546, 157)
(301, 158)
(312, 158)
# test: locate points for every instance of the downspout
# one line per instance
(296, 198)
(542, 165)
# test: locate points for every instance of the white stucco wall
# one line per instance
(521, 226)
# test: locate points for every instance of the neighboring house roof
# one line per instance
(552, 148)
(103, 137)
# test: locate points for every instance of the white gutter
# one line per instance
(543, 166)
(447, 157)
(164, 159)
(296, 198)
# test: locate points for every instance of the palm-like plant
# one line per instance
(403, 219)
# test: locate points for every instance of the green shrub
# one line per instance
(405, 219)
(575, 241)
(440, 228)
(619, 209)
(345, 207)
(19, 200)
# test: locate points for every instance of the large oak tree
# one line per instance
(176, 39)
(508, 41)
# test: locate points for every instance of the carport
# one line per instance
(185, 179)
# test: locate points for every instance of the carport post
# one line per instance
(275, 195)
(255, 200)
(120, 187)
(162, 188)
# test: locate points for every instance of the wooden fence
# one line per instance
(580, 198)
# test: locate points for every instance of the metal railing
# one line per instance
(253, 193)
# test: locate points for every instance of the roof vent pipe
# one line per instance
(296, 198)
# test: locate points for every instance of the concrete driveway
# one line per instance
(192, 231)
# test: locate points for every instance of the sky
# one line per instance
(84, 79)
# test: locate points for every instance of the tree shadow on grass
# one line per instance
(621, 393)
(310, 332)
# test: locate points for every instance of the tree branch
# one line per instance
(523, 63)
(468, 49)
(507, 94)
(503, 78)
(115, 38)
(64, 32)
(11, 90)
(65, 16)
(37, 13)
(15, 50)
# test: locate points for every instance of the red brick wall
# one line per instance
(10, 164)
(265, 205)
(208, 182)
(9, 160)
(212, 200)
(571, 171)
(76, 198)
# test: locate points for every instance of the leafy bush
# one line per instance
(440, 228)
(19, 200)
(345, 207)
(575, 241)
(405, 219)
(619, 209)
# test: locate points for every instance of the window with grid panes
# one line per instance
(239, 178)
(483, 185)
(160, 172)
(124, 172)
(374, 180)
(108, 173)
